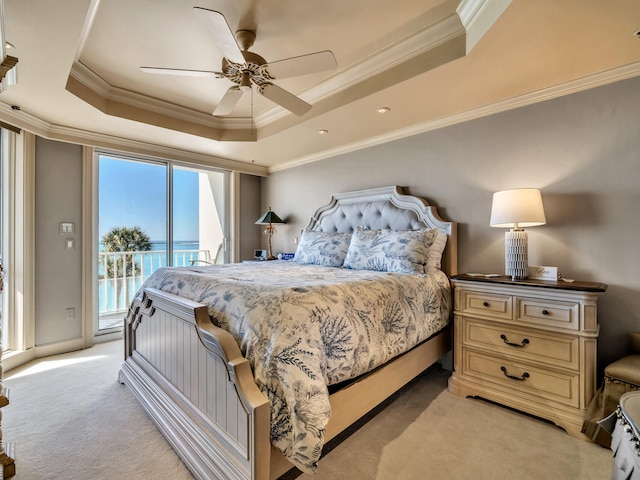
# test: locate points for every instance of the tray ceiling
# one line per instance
(429, 62)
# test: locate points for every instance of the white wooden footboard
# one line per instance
(192, 380)
(194, 383)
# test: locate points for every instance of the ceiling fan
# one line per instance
(245, 68)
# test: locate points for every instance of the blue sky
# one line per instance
(134, 194)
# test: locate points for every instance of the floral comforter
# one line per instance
(304, 327)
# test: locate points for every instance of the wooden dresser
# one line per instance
(527, 344)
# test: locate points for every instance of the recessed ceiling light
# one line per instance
(383, 110)
(323, 132)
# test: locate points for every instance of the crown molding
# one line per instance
(23, 120)
(108, 93)
(388, 58)
(110, 142)
(471, 18)
(44, 129)
(61, 133)
(418, 43)
(567, 88)
(478, 16)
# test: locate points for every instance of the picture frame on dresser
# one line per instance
(527, 344)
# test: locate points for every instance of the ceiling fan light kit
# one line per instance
(245, 68)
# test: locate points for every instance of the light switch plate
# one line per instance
(66, 228)
(543, 273)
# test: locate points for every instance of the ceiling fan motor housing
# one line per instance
(254, 65)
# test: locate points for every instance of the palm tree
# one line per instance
(124, 239)
(119, 267)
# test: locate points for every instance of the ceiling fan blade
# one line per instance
(228, 101)
(311, 63)
(284, 99)
(224, 36)
(181, 71)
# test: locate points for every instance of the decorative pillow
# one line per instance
(322, 248)
(436, 249)
(398, 251)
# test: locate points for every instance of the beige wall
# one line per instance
(582, 151)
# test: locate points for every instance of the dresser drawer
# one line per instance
(550, 313)
(479, 303)
(538, 347)
(523, 379)
(529, 344)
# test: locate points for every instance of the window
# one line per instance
(3, 201)
(17, 155)
(153, 214)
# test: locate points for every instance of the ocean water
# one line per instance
(158, 245)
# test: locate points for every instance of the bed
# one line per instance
(236, 415)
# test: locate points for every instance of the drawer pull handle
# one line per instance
(485, 304)
(519, 345)
(524, 376)
(545, 312)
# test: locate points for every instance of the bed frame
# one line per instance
(192, 380)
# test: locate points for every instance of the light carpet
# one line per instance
(71, 419)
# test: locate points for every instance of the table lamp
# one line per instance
(268, 219)
(515, 209)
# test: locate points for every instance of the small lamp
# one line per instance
(514, 209)
(269, 219)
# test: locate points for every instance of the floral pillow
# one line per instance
(398, 251)
(322, 248)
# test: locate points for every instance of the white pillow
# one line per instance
(322, 248)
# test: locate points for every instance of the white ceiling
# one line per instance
(432, 62)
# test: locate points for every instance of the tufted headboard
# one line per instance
(386, 207)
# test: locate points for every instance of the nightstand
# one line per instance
(527, 344)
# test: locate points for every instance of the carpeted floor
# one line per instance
(71, 419)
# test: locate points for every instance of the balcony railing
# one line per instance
(121, 274)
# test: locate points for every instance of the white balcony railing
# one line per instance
(121, 274)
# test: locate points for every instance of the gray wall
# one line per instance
(58, 272)
(581, 150)
(249, 232)
(58, 181)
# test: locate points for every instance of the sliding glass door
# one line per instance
(153, 214)
(132, 223)
(198, 215)
(3, 194)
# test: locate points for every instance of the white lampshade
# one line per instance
(521, 207)
(515, 209)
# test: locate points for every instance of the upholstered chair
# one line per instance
(620, 377)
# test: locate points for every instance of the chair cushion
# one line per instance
(626, 370)
(635, 342)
